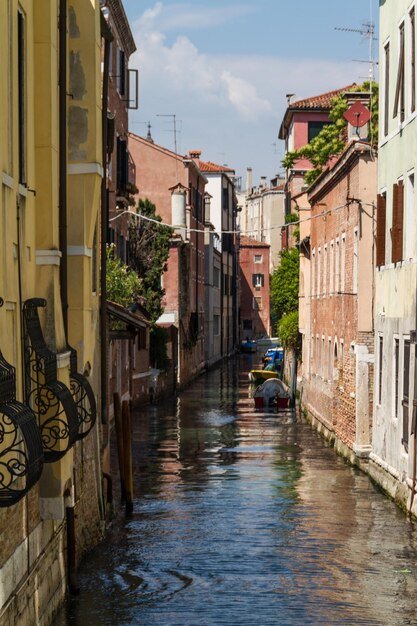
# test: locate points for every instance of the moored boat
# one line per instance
(271, 393)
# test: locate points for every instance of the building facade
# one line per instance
(262, 213)
(394, 432)
(222, 204)
(255, 315)
(337, 354)
(51, 505)
(176, 186)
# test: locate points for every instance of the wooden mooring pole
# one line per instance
(127, 449)
(119, 439)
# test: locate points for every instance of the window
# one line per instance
(216, 325)
(342, 263)
(325, 270)
(258, 280)
(122, 165)
(406, 385)
(399, 100)
(322, 357)
(141, 339)
(380, 366)
(342, 352)
(314, 128)
(313, 273)
(396, 372)
(335, 363)
(381, 208)
(412, 60)
(397, 222)
(257, 258)
(386, 91)
(121, 72)
(317, 355)
(319, 273)
(329, 359)
(257, 303)
(225, 199)
(355, 260)
(216, 277)
(409, 221)
(337, 267)
(331, 282)
(247, 324)
(21, 95)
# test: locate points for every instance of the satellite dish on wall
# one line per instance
(357, 115)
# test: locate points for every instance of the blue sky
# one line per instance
(224, 68)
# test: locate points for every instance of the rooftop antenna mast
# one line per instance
(174, 119)
(368, 32)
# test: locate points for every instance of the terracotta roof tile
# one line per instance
(322, 101)
(208, 166)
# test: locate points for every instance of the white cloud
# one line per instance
(227, 103)
(185, 16)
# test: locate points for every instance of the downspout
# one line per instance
(62, 194)
(108, 38)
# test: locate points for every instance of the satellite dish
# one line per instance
(357, 115)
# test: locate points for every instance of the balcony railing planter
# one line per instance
(50, 398)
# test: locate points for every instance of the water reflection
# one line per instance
(246, 518)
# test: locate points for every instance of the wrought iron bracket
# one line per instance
(83, 396)
(21, 455)
(50, 398)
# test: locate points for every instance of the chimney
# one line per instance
(178, 213)
(263, 182)
(194, 154)
(248, 180)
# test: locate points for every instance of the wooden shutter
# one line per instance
(397, 222)
(399, 100)
(380, 229)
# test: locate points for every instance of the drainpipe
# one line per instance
(108, 37)
(63, 268)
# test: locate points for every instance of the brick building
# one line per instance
(338, 350)
(176, 186)
(255, 315)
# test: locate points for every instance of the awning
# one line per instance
(135, 320)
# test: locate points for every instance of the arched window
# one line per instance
(335, 363)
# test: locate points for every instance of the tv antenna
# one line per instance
(174, 121)
(367, 32)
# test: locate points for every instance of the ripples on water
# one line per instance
(243, 518)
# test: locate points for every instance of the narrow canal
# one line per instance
(243, 518)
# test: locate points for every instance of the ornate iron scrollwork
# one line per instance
(83, 397)
(21, 457)
(49, 397)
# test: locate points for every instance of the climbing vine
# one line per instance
(332, 138)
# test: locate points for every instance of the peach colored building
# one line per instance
(303, 120)
(254, 288)
(176, 186)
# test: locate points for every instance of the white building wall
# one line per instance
(395, 285)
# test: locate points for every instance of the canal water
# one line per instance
(244, 518)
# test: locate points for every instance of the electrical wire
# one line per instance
(247, 232)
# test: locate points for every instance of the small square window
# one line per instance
(258, 258)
